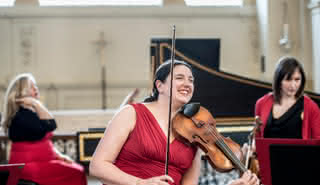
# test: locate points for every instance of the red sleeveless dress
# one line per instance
(42, 166)
(144, 153)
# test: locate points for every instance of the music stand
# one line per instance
(10, 173)
(288, 161)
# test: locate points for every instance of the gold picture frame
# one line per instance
(82, 138)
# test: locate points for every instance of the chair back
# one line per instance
(10, 173)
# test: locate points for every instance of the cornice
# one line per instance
(126, 12)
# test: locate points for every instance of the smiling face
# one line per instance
(290, 86)
(182, 89)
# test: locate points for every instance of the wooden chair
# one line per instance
(10, 173)
(25, 182)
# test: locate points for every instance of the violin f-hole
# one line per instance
(198, 123)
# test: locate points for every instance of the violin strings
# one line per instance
(219, 139)
(234, 158)
(226, 148)
(223, 146)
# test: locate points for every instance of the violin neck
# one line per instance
(250, 146)
(247, 159)
(230, 155)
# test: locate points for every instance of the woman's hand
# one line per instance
(247, 178)
(27, 102)
(65, 158)
(36, 106)
(160, 180)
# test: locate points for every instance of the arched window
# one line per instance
(7, 2)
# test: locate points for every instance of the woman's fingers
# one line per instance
(23, 100)
(246, 176)
(166, 178)
(254, 180)
(26, 101)
(251, 178)
(159, 180)
(20, 100)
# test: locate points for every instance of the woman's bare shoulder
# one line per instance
(125, 116)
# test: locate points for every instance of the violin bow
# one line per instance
(173, 43)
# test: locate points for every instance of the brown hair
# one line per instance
(162, 73)
(284, 70)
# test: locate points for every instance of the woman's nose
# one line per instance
(294, 84)
(187, 83)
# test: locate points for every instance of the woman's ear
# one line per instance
(158, 86)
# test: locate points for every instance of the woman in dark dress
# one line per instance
(287, 112)
(29, 126)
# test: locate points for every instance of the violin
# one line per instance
(195, 124)
(251, 161)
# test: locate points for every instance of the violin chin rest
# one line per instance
(190, 109)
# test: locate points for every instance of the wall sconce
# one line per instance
(284, 42)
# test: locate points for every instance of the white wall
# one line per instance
(62, 52)
(262, 17)
(299, 36)
(57, 45)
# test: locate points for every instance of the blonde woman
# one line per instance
(29, 126)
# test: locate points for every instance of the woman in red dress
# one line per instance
(29, 126)
(133, 149)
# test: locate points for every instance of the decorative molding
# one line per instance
(254, 39)
(26, 3)
(84, 96)
(26, 45)
(127, 12)
(92, 86)
(235, 129)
